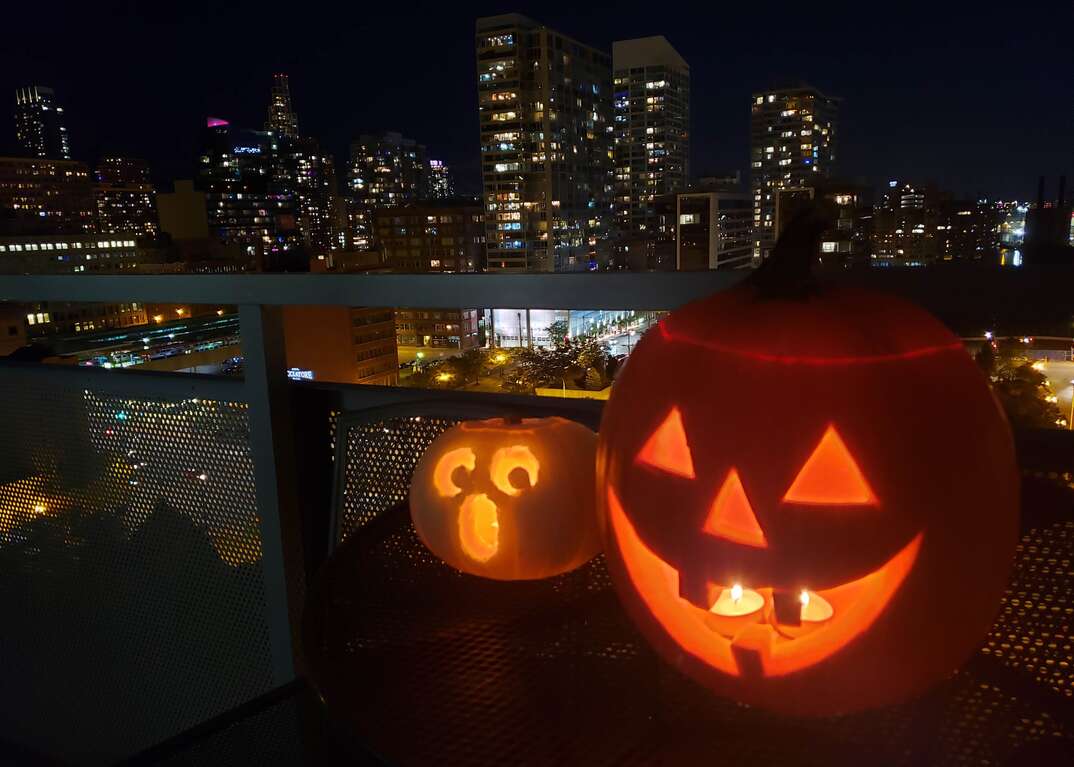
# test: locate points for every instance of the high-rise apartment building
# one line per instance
(309, 174)
(40, 196)
(652, 128)
(441, 183)
(793, 145)
(125, 198)
(39, 124)
(385, 171)
(282, 119)
(545, 111)
(248, 203)
(305, 172)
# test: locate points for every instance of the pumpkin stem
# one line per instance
(512, 420)
(788, 271)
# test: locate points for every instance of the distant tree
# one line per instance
(1022, 390)
(580, 363)
(467, 367)
(558, 332)
(1023, 393)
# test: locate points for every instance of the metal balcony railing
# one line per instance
(157, 530)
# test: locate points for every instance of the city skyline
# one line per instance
(953, 132)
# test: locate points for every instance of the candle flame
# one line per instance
(804, 598)
(736, 593)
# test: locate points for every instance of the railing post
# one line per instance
(275, 481)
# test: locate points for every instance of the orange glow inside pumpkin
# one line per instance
(732, 516)
(462, 457)
(830, 476)
(667, 449)
(479, 527)
(855, 607)
(508, 459)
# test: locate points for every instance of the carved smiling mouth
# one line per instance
(755, 644)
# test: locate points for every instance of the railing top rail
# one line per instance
(944, 288)
(648, 290)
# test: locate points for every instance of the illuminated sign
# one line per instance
(297, 374)
(247, 150)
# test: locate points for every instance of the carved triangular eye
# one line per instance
(830, 476)
(667, 450)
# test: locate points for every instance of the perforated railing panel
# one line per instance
(130, 567)
(431, 666)
(380, 457)
(1035, 629)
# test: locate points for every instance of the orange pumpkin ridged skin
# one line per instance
(509, 500)
(717, 465)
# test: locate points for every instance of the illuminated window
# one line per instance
(827, 247)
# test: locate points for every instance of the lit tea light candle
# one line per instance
(737, 601)
(815, 608)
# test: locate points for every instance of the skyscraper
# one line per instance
(385, 171)
(545, 111)
(247, 202)
(125, 198)
(281, 116)
(652, 128)
(39, 124)
(792, 140)
(311, 179)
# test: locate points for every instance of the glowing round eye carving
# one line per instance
(509, 499)
(507, 461)
(462, 457)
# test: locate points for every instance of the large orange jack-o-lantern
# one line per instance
(509, 500)
(810, 502)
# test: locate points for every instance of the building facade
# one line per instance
(45, 196)
(342, 344)
(713, 230)
(545, 113)
(652, 128)
(441, 183)
(39, 124)
(125, 198)
(793, 145)
(72, 253)
(434, 237)
(247, 201)
(849, 241)
(431, 237)
(919, 224)
(385, 171)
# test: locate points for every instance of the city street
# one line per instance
(1060, 375)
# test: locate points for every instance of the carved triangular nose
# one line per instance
(732, 516)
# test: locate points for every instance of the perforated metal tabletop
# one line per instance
(427, 666)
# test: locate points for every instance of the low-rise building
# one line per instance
(40, 196)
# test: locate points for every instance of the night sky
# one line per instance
(976, 99)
